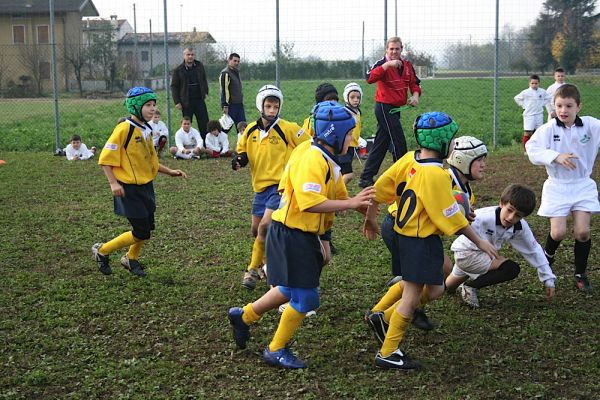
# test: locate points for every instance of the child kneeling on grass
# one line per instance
(499, 224)
(313, 189)
(130, 163)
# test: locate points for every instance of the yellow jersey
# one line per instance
(308, 127)
(130, 152)
(269, 150)
(422, 191)
(310, 178)
(355, 112)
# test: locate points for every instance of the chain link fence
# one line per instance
(98, 59)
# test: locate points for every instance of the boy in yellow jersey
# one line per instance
(467, 164)
(130, 164)
(352, 98)
(422, 190)
(265, 145)
(313, 190)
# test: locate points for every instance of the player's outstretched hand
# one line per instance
(363, 198)
(564, 159)
(370, 229)
(178, 172)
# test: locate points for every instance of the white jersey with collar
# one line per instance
(551, 90)
(488, 227)
(187, 140)
(83, 152)
(158, 129)
(218, 143)
(554, 138)
(533, 101)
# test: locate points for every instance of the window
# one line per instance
(42, 34)
(44, 70)
(144, 56)
(18, 34)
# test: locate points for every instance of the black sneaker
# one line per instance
(583, 283)
(396, 360)
(133, 266)
(377, 324)
(101, 260)
(421, 320)
(549, 257)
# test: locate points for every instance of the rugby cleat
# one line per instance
(396, 360)
(250, 279)
(421, 320)
(101, 260)
(377, 324)
(241, 331)
(132, 266)
(469, 295)
(283, 358)
(583, 283)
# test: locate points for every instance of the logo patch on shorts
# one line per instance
(311, 187)
(450, 211)
(111, 146)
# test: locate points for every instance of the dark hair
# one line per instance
(534, 76)
(213, 125)
(326, 91)
(156, 112)
(568, 91)
(75, 137)
(520, 196)
(559, 69)
(232, 55)
(186, 119)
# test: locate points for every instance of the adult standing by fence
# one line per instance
(189, 88)
(232, 97)
(394, 76)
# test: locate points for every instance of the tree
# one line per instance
(76, 56)
(102, 52)
(33, 57)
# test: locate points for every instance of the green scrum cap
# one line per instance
(434, 131)
(136, 98)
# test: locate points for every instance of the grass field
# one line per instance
(69, 332)
(29, 123)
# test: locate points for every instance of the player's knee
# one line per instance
(173, 150)
(305, 300)
(435, 291)
(142, 233)
(582, 234)
(263, 228)
(558, 233)
(511, 269)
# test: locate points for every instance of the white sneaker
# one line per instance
(309, 314)
(469, 295)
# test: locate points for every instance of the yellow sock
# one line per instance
(135, 250)
(258, 253)
(249, 316)
(123, 240)
(393, 294)
(395, 333)
(288, 324)
(387, 314)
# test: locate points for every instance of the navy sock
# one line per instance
(582, 252)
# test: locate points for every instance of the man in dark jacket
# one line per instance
(394, 76)
(232, 98)
(189, 88)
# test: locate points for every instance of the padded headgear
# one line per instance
(434, 131)
(226, 122)
(466, 150)
(136, 98)
(323, 90)
(352, 87)
(332, 122)
(268, 91)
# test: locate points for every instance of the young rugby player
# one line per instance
(265, 145)
(313, 190)
(532, 100)
(568, 146)
(425, 210)
(130, 164)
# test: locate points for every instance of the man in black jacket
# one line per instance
(189, 88)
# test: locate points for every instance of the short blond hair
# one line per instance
(393, 39)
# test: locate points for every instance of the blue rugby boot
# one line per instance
(283, 358)
(241, 331)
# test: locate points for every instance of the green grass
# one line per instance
(69, 332)
(29, 123)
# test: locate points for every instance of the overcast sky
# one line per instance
(329, 29)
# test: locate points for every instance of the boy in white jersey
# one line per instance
(188, 142)
(76, 150)
(567, 146)
(559, 80)
(160, 132)
(532, 100)
(499, 224)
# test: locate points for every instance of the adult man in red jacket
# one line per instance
(394, 76)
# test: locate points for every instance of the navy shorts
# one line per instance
(419, 260)
(388, 236)
(345, 161)
(138, 202)
(268, 198)
(294, 257)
